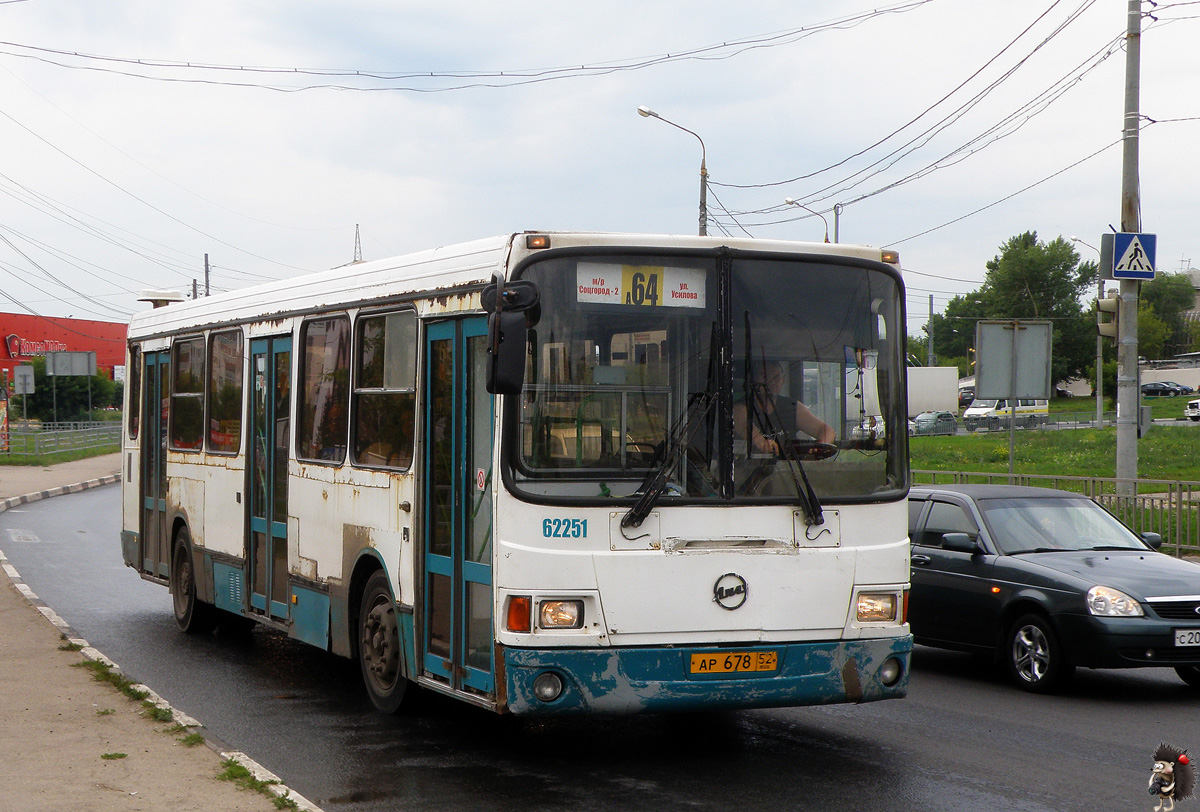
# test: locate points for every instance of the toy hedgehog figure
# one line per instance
(1172, 778)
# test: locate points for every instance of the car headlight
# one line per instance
(1109, 602)
(876, 607)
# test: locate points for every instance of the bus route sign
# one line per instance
(1134, 255)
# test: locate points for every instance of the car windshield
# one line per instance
(984, 404)
(1041, 524)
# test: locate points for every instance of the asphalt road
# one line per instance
(963, 739)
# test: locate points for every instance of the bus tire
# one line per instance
(379, 654)
(192, 616)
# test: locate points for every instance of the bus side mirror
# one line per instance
(507, 334)
(513, 309)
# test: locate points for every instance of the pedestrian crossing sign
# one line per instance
(1134, 255)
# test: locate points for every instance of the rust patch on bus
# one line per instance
(356, 537)
(851, 681)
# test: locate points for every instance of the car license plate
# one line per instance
(1187, 637)
(731, 662)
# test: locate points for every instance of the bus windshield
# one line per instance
(642, 363)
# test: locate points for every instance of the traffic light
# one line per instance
(1106, 315)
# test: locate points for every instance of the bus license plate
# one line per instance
(1187, 637)
(730, 662)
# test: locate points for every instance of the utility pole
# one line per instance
(1131, 221)
(206, 288)
(929, 345)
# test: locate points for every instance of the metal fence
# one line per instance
(58, 438)
(1168, 507)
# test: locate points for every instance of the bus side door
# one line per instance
(155, 525)
(267, 467)
(457, 630)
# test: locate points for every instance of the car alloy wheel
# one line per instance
(1034, 659)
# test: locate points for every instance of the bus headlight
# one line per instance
(876, 607)
(560, 614)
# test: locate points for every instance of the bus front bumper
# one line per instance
(633, 680)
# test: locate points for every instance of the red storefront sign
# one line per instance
(27, 337)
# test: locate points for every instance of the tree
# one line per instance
(65, 396)
(1153, 333)
(1028, 279)
(1168, 296)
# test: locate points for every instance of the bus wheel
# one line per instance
(379, 645)
(191, 616)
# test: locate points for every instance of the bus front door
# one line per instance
(156, 526)
(270, 364)
(457, 629)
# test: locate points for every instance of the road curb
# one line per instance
(274, 785)
(25, 499)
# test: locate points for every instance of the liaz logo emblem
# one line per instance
(729, 592)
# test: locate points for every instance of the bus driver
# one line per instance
(773, 410)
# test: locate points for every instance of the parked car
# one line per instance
(1192, 410)
(933, 423)
(966, 394)
(1183, 388)
(1045, 581)
(1160, 389)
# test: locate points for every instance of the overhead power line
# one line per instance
(427, 81)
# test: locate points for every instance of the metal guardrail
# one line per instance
(1168, 507)
(57, 438)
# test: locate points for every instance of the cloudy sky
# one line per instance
(139, 136)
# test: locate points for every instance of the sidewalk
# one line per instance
(70, 742)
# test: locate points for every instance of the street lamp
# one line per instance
(646, 112)
(1099, 345)
(791, 201)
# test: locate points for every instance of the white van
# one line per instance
(994, 414)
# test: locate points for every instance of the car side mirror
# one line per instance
(1153, 539)
(960, 543)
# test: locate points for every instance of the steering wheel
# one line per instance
(813, 450)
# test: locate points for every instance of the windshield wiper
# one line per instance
(680, 436)
(1040, 550)
(770, 426)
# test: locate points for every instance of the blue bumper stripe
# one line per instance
(632, 680)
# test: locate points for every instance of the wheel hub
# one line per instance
(1031, 654)
(380, 643)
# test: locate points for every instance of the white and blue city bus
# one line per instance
(540, 473)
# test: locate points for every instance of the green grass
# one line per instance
(191, 740)
(104, 673)
(14, 458)
(113, 756)
(1166, 452)
(242, 777)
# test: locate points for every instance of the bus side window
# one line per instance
(324, 392)
(225, 392)
(187, 395)
(384, 390)
(135, 390)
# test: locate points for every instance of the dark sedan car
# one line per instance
(1047, 580)
(1161, 389)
